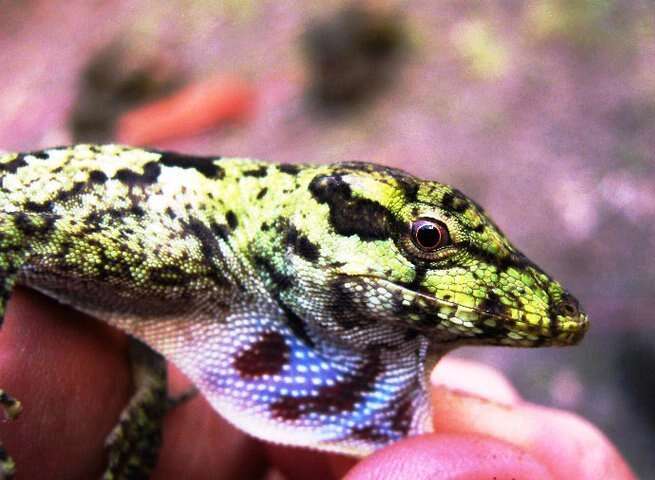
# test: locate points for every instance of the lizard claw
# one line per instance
(10, 405)
(12, 409)
(7, 465)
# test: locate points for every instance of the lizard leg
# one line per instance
(133, 445)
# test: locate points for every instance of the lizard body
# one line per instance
(303, 301)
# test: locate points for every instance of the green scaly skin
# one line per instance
(296, 297)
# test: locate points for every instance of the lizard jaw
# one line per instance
(449, 321)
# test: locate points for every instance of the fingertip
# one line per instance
(449, 457)
(569, 446)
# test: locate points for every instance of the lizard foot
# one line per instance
(133, 444)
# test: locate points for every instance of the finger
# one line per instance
(474, 378)
(73, 376)
(449, 456)
(72, 381)
(568, 445)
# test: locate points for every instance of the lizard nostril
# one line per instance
(568, 306)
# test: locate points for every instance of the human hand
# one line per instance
(72, 375)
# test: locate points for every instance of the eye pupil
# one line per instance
(428, 234)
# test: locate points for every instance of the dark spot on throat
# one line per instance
(334, 399)
(266, 356)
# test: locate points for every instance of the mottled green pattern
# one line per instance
(297, 297)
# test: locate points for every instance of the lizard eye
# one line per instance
(429, 235)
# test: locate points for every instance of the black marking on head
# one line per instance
(406, 182)
(14, 165)
(553, 323)
(455, 201)
(502, 262)
(493, 306)
(302, 245)
(203, 164)
(34, 225)
(261, 193)
(410, 189)
(280, 279)
(210, 248)
(97, 176)
(221, 230)
(289, 168)
(151, 171)
(137, 211)
(420, 271)
(349, 215)
(41, 155)
(493, 309)
(479, 228)
(266, 356)
(343, 306)
(114, 213)
(332, 400)
(232, 219)
(66, 195)
(37, 207)
(324, 188)
(93, 222)
(258, 172)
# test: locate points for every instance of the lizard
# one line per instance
(306, 302)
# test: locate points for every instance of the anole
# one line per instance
(307, 303)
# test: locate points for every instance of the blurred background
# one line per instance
(541, 110)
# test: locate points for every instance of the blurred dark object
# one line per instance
(119, 77)
(352, 55)
(191, 110)
(635, 364)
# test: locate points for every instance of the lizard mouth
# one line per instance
(488, 323)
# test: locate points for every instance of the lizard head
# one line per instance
(366, 243)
